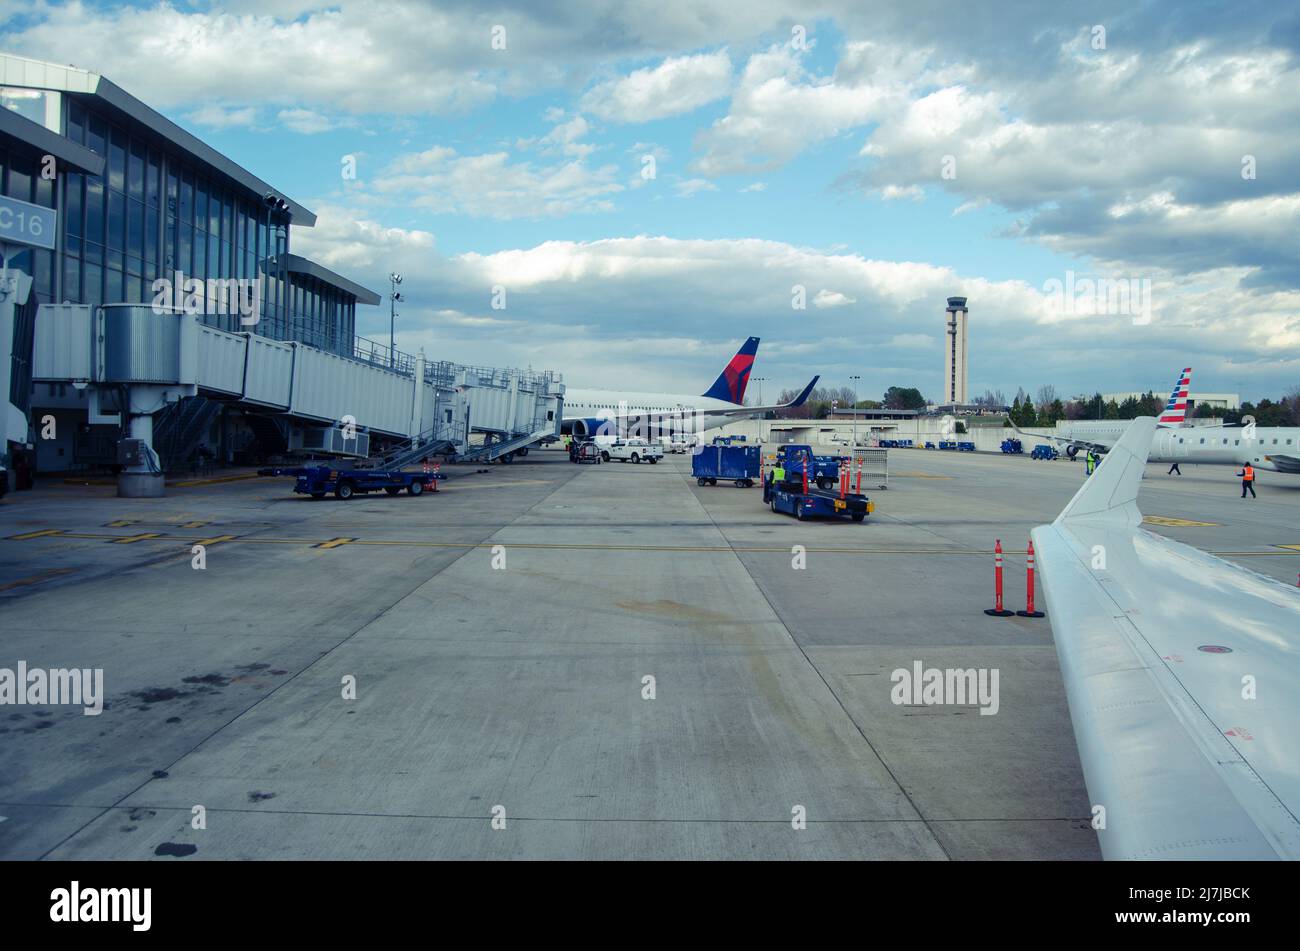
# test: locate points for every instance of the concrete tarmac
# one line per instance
(556, 661)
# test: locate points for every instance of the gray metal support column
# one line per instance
(417, 395)
(142, 478)
(15, 286)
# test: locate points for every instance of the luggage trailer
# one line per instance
(739, 464)
(803, 498)
(319, 481)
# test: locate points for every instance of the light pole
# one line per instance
(759, 380)
(854, 388)
(394, 298)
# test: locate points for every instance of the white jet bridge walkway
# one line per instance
(415, 406)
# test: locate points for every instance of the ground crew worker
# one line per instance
(1174, 468)
(778, 475)
(1089, 463)
(1247, 474)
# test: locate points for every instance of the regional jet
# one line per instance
(1099, 435)
(1276, 448)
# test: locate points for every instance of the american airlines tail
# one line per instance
(1176, 409)
(731, 382)
(1100, 436)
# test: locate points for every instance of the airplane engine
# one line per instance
(591, 427)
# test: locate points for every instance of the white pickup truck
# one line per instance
(632, 450)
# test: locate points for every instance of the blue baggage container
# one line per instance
(738, 464)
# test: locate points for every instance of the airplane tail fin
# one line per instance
(1176, 409)
(1111, 491)
(730, 384)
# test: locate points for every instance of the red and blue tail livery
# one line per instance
(730, 384)
(1176, 409)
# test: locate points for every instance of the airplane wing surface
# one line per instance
(614, 418)
(1094, 445)
(754, 410)
(1181, 672)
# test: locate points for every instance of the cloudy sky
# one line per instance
(650, 182)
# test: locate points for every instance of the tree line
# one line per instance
(1045, 408)
(822, 400)
(1285, 412)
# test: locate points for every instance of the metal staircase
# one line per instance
(503, 449)
(268, 434)
(446, 440)
(437, 441)
(181, 428)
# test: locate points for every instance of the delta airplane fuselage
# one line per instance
(664, 413)
(615, 414)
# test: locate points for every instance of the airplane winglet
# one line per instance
(803, 397)
(1110, 493)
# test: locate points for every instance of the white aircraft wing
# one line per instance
(1093, 444)
(756, 410)
(1181, 672)
(614, 420)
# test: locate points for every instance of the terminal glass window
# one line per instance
(97, 135)
(28, 103)
(187, 196)
(155, 211)
(117, 160)
(18, 180)
(76, 130)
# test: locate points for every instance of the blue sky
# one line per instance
(802, 203)
(793, 145)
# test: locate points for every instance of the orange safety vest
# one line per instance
(1248, 474)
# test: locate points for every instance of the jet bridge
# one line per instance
(137, 360)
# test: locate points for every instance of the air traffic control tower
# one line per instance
(954, 355)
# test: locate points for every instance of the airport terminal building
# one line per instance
(163, 202)
(102, 198)
(136, 199)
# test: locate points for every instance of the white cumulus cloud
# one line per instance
(677, 85)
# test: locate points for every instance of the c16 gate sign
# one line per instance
(24, 223)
